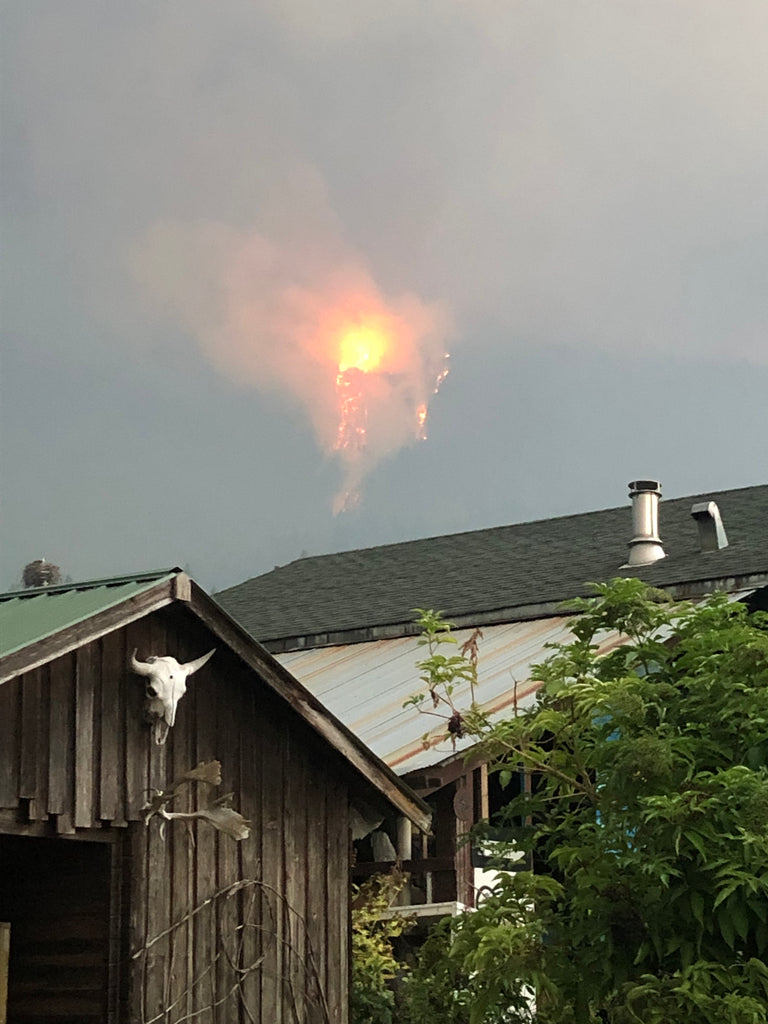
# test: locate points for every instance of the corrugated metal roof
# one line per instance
(365, 685)
(30, 615)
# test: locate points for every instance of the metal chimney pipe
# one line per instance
(645, 546)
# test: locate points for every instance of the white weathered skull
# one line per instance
(166, 685)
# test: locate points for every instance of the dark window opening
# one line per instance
(499, 796)
(55, 894)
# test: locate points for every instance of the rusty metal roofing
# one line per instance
(27, 616)
(365, 685)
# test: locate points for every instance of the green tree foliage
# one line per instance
(469, 968)
(374, 964)
(649, 814)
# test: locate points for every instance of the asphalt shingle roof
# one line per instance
(505, 567)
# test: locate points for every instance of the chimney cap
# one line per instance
(637, 486)
(704, 509)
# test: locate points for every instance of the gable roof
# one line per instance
(29, 616)
(502, 574)
(42, 624)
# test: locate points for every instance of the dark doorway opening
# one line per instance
(56, 895)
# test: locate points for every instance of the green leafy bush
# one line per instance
(649, 814)
(374, 965)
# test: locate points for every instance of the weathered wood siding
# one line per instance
(76, 751)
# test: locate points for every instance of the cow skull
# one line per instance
(166, 685)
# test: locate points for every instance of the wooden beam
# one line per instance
(10, 743)
(182, 587)
(30, 731)
(429, 780)
(366, 869)
(483, 806)
(85, 674)
(61, 742)
(5, 952)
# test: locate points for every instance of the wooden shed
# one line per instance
(116, 916)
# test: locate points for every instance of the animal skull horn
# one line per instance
(166, 685)
(141, 668)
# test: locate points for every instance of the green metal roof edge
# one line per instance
(106, 581)
(150, 579)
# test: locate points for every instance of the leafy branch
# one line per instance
(442, 674)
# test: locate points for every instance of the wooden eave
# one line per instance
(429, 780)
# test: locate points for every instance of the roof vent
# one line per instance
(645, 546)
(711, 530)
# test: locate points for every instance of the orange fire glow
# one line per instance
(353, 412)
(421, 420)
(362, 347)
(374, 355)
(306, 318)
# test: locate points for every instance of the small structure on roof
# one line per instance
(204, 878)
(41, 573)
(358, 651)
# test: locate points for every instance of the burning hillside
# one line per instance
(363, 365)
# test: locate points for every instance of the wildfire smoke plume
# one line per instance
(311, 322)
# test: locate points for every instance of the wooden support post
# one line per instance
(404, 836)
(5, 950)
(484, 806)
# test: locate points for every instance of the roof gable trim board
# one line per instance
(354, 751)
(47, 648)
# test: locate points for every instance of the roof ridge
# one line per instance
(106, 581)
(390, 545)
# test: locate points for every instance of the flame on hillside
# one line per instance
(368, 358)
(363, 365)
(362, 350)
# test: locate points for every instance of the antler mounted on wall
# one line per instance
(166, 685)
(218, 813)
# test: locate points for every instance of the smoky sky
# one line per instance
(570, 197)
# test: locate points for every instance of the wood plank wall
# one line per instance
(77, 752)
